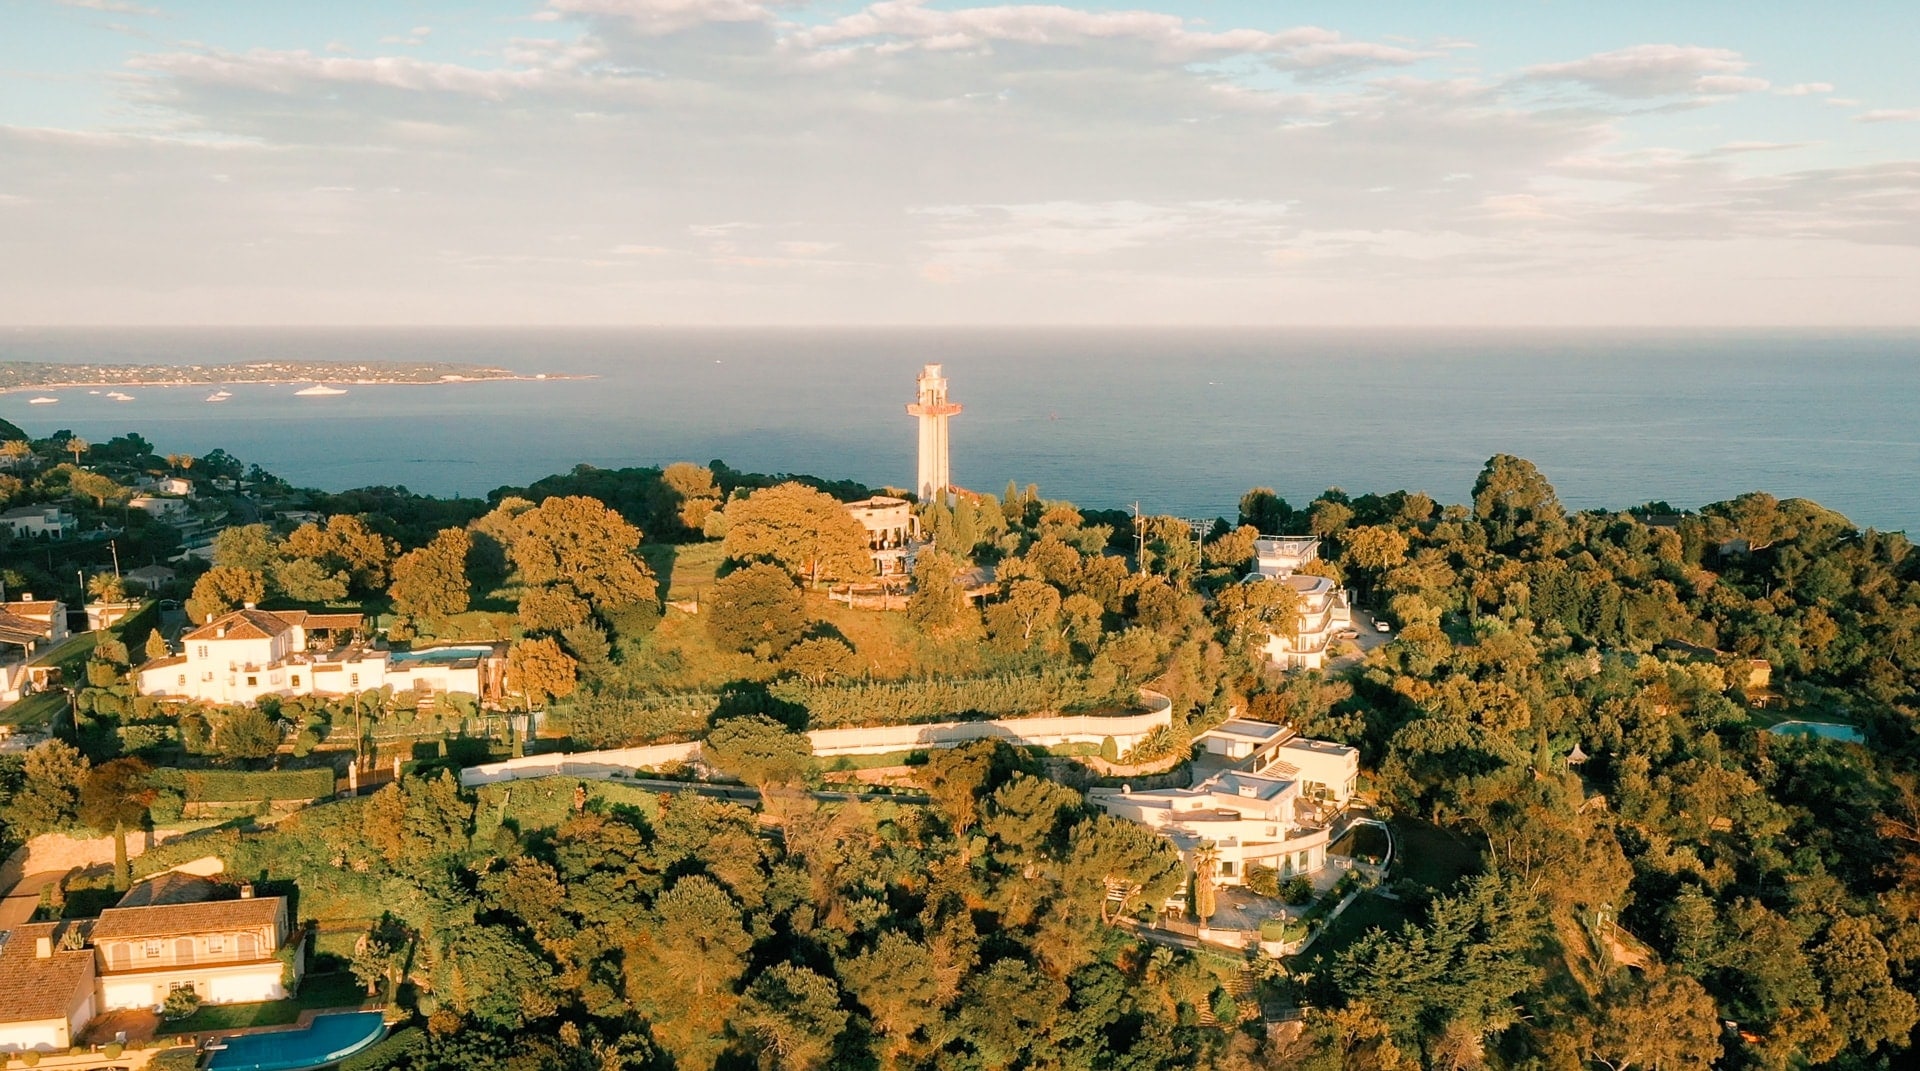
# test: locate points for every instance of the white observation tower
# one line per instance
(933, 409)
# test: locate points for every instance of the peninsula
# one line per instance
(44, 375)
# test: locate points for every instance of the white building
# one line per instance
(893, 533)
(252, 653)
(151, 577)
(46, 987)
(1324, 612)
(225, 951)
(176, 486)
(1272, 806)
(44, 522)
(1325, 609)
(159, 507)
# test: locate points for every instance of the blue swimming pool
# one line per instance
(328, 1039)
(438, 654)
(1830, 730)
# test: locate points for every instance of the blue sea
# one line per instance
(1181, 420)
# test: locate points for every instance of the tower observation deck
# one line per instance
(933, 409)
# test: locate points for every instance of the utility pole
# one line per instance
(114, 546)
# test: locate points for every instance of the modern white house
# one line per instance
(1325, 608)
(251, 653)
(1272, 805)
(151, 577)
(176, 486)
(160, 507)
(893, 533)
(39, 522)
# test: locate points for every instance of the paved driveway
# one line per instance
(19, 905)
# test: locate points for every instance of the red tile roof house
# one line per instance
(54, 977)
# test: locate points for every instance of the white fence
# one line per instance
(1125, 729)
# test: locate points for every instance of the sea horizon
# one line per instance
(1182, 419)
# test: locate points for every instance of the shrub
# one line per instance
(179, 1004)
(304, 744)
(1298, 891)
(1109, 749)
(31, 1058)
(175, 1059)
(112, 1050)
(1263, 880)
(237, 786)
(394, 1050)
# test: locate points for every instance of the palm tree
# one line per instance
(1206, 857)
(77, 446)
(15, 451)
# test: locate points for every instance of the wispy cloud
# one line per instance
(1644, 71)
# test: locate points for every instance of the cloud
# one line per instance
(1645, 71)
(416, 36)
(661, 17)
(1889, 115)
(115, 7)
(1805, 89)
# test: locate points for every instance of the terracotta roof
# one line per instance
(17, 629)
(172, 887)
(163, 663)
(32, 988)
(38, 609)
(176, 920)
(333, 620)
(245, 625)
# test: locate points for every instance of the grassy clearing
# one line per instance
(545, 802)
(36, 711)
(320, 991)
(1370, 911)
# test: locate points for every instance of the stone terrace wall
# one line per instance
(1125, 729)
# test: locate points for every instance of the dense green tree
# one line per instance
(114, 798)
(759, 751)
(756, 609)
(803, 531)
(578, 541)
(432, 581)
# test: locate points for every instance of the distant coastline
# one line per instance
(50, 375)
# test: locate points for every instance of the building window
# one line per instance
(1226, 868)
(153, 950)
(207, 676)
(183, 680)
(217, 942)
(296, 680)
(355, 682)
(252, 680)
(200, 651)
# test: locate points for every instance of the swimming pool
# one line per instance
(1846, 734)
(437, 654)
(328, 1039)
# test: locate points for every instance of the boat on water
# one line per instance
(318, 390)
(42, 401)
(119, 396)
(219, 396)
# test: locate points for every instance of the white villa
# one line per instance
(159, 507)
(893, 533)
(1324, 607)
(56, 976)
(1272, 804)
(46, 522)
(251, 653)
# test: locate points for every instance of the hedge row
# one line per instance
(241, 786)
(837, 706)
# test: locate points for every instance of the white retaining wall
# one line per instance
(1126, 731)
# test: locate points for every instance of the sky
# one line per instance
(1245, 162)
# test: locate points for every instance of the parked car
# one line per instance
(1382, 626)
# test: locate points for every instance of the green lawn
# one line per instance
(71, 649)
(1432, 856)
(323, 991)
(36, 711)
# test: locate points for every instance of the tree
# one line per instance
(248, 733)
(1513, 500)
(900, 985)
(938, 602)
(681, 968)
(346, 545)
(1255, 609)
(115, 796)
(223, 589)
(1666, 1022)
(1117, 864)
(1206, 858)
(756, 608)
(307, 580)
(958, 778)
(432, 581)
(49, 794)
(77, 446)
(806, 532)
(759, 751)
(106, 587)
(248, 546)
(1374, 547)
(578, 541)
(1266, 512)
(157, 648)
(552, 609)
(95, 486)
(694, 493)
(539, 671)
(1029, 610)
(818, 660)
(794, 1016)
